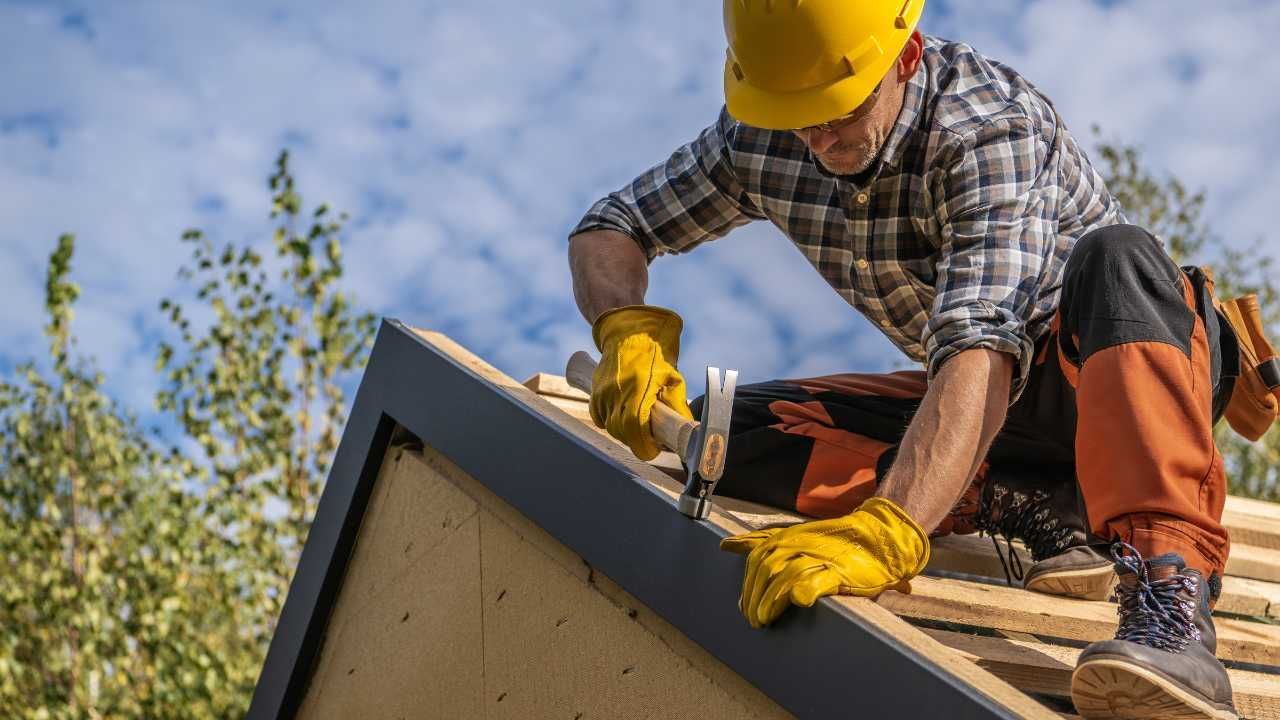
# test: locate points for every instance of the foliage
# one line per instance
(114, 604)
(259, 389)
(145, 582)
(1164, 206)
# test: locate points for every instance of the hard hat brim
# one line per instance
(791, 110)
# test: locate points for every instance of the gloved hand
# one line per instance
(876, 548)
(639, 346)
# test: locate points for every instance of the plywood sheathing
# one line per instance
(405, 636)
(456, 606)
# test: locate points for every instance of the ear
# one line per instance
(911, 56)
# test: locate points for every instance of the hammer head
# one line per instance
(706, 453)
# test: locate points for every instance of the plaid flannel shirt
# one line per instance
(955, 238)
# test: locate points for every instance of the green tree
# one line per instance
(145, 581)
(114, 603)
(260, 388)
(1165, 206)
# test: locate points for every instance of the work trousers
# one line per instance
(1121, 397)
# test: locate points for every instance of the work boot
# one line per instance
(1161, 663)
(1043, 509)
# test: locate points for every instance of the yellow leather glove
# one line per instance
(639, 346)
(876, 548)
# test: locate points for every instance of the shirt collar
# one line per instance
(912, 103)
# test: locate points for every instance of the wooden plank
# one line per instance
(1260, 590)
(1254, 562)
(860, 609)
(969, 603)
(575, 408)
(556, 386)
(1250, 529)
(1043, 668)
(974, 555)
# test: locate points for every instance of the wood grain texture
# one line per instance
(1253, 522)
(555, 386)
(969, 603)
(1046, 669)
(974, 555)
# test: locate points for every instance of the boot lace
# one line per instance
(1156, 613)
(1025, 517)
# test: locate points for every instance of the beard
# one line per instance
(857, 154)
(850, 158)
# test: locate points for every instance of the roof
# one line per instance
(961, 645)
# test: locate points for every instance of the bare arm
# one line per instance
(948, 439)
(609, 271)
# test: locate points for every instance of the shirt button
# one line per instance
(862, 198)
(862, 263)
(886, 323)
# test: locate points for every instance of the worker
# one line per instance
(1072, 372)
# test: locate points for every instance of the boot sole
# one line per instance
(1103, 688)
(1093, 583)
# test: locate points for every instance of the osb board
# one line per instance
(458, 608)
(404, 638)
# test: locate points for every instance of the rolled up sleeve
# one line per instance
(692, 197)
(998, 232)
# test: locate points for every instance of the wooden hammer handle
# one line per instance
(671, 429)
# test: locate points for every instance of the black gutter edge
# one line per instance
(821, 662)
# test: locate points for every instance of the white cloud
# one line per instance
(467, 138)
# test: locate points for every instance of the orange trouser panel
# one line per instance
(1146, 462)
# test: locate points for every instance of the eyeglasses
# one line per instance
(840, 123)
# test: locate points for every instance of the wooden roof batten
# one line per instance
(532, 447)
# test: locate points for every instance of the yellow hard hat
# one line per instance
(795, 63)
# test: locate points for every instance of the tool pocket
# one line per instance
(1254, 403)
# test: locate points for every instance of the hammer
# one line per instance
(701, 445)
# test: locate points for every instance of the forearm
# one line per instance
(949, 436)
(609, 270)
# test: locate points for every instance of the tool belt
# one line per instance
(1255, 398)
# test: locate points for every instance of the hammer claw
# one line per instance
(706, 456)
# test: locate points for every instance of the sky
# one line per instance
(465, 139)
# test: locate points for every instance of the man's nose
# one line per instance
(819, 140)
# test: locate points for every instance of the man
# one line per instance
(1066, 355)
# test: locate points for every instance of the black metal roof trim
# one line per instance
(824, 662)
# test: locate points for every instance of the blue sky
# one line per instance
(466, 138)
